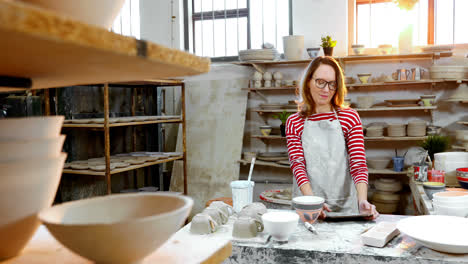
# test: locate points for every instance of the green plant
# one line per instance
(283, 116)
(435, 144)
(405, 4)
(328, 42)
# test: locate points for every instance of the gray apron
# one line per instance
(328, 166)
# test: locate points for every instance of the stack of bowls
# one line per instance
(386, 198)
(397, 130)
(374, 131)
(462, 137)
(365, 101)
(451, 203)
(378, 163)
(416, 128)
(30, 172)
(358, 49)
(462, 177)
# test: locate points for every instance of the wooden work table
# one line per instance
(181, 248)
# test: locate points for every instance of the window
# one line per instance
(220, 28)
(128, 21)
(431, 21)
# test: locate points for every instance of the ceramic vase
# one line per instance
(293, 47)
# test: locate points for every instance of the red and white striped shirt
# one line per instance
(354, 138)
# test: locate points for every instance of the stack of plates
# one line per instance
(374, 131)
(258, 54)
(417, 128)
(272, 156)
(449, 72)
(396, 130)
(385, 198)
(437, 48)
(451, 203)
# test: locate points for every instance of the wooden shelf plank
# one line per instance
(422, 55)
(462, 122)
(383, 108)
(157, 82)
(393, 83)
(115, 171)
(458, 147)
(464, 101)
(74, 53)
(264, 163)
(277, 137)
(386, 171)
(395, 138)
(282, 88)
(101, 126)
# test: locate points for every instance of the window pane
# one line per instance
(282, 16)
(234, 4)
(204, 38)
(256, 21)
(232, 40)
(219, 39)
(196, 6)
(444, 22)
(461, 21)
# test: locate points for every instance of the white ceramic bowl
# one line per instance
(31, 149)
(30, 128)
(453, 211)
(122, 228)
(378, 163)
(280, 225)
(453, 196)
(26, 187)
(100, 13)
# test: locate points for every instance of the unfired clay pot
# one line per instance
(246, 227)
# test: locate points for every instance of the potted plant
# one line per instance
(328, 44)
(283, 117)
(435, 144)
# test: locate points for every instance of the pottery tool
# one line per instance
(251, 169)
(310, 227)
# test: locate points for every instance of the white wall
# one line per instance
(316, 18)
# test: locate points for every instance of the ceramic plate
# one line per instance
(438, 232)
(269, 196)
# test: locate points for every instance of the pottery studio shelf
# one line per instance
(276, 165)
(373, 109)
(422, 55)
(36, 55)
(278, 137)
(119, 170)
(101, 126)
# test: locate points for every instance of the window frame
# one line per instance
(353, 29)
(213, 15)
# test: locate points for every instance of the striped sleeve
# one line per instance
(294, 128)
(354, 137)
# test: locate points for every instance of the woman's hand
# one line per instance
(324, 208)
(367, 208)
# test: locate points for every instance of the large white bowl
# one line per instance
(31, 149)
(438, 232)
(447, 210)
(122, 228)
(100, 13)
(280, 225)
(26, 187)
(29, 128)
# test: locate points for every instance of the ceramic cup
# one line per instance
(398, 163)
(246, 227)
(253, 210)
(224, 207)
(217, 215)
(203, 224)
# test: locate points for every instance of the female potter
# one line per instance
(326, 143)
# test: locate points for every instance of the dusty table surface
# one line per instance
(336, 242)
(180, 249)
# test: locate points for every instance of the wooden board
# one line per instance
(179, 249)
(55, 51)
(101, 126)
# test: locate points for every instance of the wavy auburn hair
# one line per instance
(307, 104)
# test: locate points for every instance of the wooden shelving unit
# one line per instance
(107, 125)
(57, 51)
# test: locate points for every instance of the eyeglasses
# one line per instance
(321, 83)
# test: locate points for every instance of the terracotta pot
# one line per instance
(328, 51)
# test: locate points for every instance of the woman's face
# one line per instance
(322, 96)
